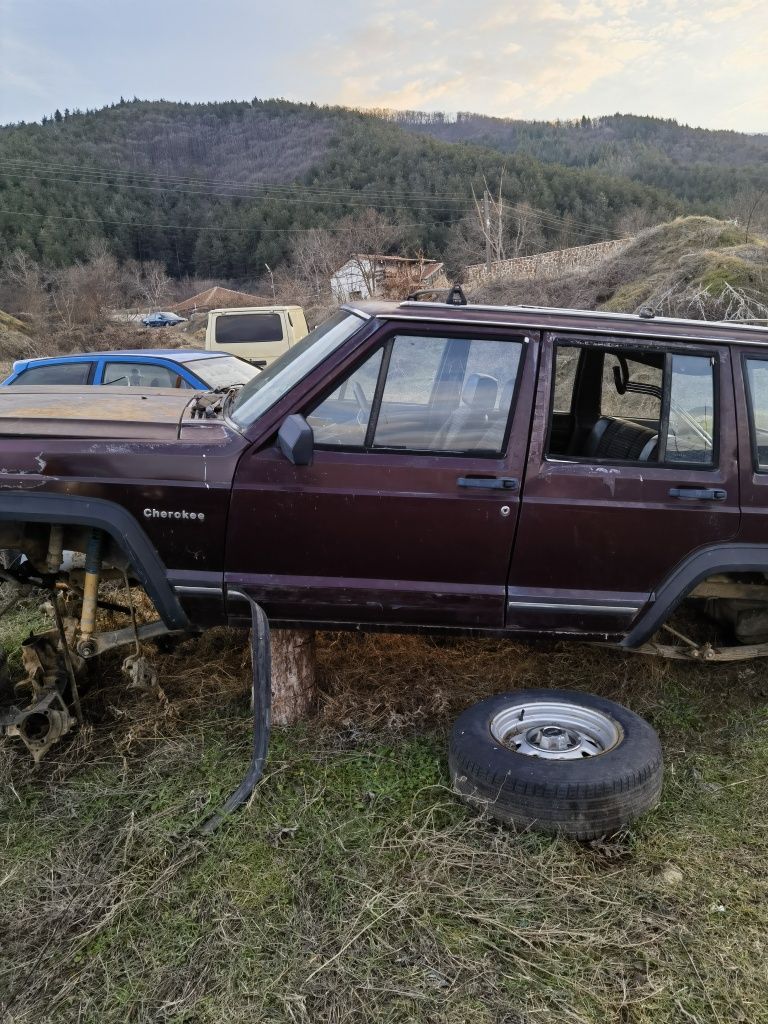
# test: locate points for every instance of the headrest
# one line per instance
(480, 390)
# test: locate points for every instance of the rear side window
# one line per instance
(57, 373)
(757, 388)
(634, 405)
(247, 328)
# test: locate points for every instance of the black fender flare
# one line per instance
(76, 510)
(686, 576)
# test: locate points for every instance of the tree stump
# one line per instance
(294, 687)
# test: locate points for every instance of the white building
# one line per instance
(366, 276)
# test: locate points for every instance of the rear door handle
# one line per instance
(494, 483)
(698, 493)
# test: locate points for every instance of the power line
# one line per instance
(308, 201)
(290, 188)
(177, 227)
(289, 193)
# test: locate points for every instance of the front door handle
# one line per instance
(495, 483)
(698, 493)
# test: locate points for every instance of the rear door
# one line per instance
(408, 511)
(632, 467)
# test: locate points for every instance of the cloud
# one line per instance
(557, 58)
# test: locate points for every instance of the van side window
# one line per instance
(432, 395)
(618, 409)
(757, 390)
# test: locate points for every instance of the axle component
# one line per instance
(45, 717)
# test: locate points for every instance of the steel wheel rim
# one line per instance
(555, 730)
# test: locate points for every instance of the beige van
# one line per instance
(256, 333)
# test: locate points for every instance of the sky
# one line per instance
(702, 62)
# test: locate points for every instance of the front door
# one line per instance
(633, 467)
(407, 513)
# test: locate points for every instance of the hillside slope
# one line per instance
(695, 267)
(220, 189)
(695, 164)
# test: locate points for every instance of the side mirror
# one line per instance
(296, 440)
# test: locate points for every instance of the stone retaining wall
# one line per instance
(548, 264)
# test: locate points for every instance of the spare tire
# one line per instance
(556, 761)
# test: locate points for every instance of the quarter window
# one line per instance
(691, 425)
(757, 380)
(424, 394)
(343, 417)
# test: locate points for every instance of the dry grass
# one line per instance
(355, 887)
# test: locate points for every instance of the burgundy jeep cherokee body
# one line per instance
(505, 470)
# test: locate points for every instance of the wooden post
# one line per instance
(294, 687)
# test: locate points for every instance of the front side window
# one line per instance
(425, 394)
(56, 373)
(757, 388)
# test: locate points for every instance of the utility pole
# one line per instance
(487, 228)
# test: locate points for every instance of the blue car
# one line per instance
(162, 320)
(144, 368)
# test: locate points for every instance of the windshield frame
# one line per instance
(297, 363)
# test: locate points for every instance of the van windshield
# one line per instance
(288, 369)
(248, 328)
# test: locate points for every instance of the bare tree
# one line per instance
(149, 281)
(85, 292)
(750, 207)
(490, 217)
(27, 286)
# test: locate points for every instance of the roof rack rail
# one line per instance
(453, 296)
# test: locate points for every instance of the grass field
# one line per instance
(355, 887)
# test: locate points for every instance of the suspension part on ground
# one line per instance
(261, 702)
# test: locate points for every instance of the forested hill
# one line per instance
(220, 189)
(696, 164)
